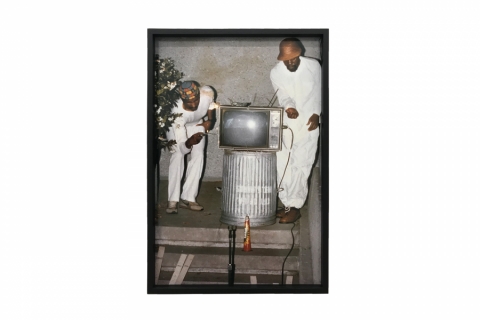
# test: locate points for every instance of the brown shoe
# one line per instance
(291, 216)
(280, 213)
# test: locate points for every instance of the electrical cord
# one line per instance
(279, 189)
(293, 243)
(288, 160)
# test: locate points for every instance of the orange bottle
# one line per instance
(247, 246)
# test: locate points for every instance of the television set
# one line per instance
(250, 128)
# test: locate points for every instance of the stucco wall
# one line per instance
(237, 68)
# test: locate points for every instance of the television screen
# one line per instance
(245, 128)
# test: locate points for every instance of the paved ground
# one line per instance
(210, 199)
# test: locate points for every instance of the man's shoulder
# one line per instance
(277, 68)
(206, 91)
(311, 62)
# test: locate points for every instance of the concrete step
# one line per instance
(218, 237)
(224, 251)
(256, 261)
(210, 265)
(198, 278)
(208, 271)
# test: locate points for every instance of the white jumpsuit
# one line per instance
(182, 129)
(300, 90)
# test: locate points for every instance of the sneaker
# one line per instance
(172, 207)
(190, 205)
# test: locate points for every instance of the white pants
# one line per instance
(194, 168)
(302, 157)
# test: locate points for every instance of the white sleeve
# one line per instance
(180, 134)
(284, 100)
(207, 91)
(207, 95)
(314, 100)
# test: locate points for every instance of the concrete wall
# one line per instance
(237, 68)
(315, 225)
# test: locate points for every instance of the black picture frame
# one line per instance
(152, 34)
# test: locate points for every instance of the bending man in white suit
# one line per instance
(187, 131)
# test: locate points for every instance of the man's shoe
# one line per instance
(172, 207)
(190, 205)
(280, 213)
(291, 216)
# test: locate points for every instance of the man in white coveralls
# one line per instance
(194, 104)
(298, 80)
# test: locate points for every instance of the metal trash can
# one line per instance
(249, 188)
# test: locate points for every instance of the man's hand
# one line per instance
(206, 125)
(313, 122)
(194, 139)
(292, 113)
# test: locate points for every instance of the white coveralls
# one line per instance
(182, 129)
(300, 90)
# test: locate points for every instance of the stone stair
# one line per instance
(210, 249)
(203, 235)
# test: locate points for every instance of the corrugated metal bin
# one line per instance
(249, 188)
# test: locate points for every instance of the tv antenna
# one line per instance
(254, 97)
(272, 101)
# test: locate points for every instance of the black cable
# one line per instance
(288, 160)
(280, 189)
(293, 243)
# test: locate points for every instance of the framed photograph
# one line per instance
(237, 161)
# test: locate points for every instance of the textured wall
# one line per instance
(237, 68)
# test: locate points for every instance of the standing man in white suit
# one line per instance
(298, 81)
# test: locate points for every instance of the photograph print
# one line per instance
(237, 161)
